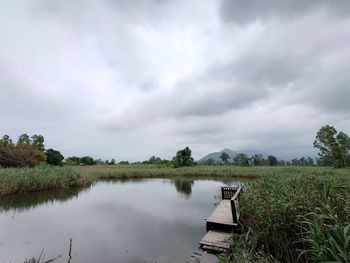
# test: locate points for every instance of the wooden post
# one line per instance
(234, 211)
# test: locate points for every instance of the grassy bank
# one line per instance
(20, 180)
(294, 219)
(223, 170)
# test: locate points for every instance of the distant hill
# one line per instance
(216, 155)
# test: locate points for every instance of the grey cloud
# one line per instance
(139, 78)
(245, 11)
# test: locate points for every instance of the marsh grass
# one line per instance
(142, 170)
(298, 218)
(45, 177)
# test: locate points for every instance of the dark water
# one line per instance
(153, 220)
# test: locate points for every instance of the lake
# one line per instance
(150, 220)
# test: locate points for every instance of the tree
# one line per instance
(154, 160)
(183, 158)
(209, 161)
(73, 160)
(112, 162)
(6, 140)
(20, 156)
(241, 159)
(24, 139)
(224, 157)
(333, 145)
(272, 160)
(87, 160)
(257, 159)
(310, 161)
(54, 157)
(38, 142)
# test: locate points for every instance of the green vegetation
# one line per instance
(334, 146)
(295, 218)
(224, 157)
(242, 159)
(183, 158)
(27, 151)
(44, 177)
(54, 157)
(272, 160)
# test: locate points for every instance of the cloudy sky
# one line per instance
(131, 79)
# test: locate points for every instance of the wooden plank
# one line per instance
(222, 214)
(238, 192)
(216, 240)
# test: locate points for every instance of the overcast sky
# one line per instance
(131, 79)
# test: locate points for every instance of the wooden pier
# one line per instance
(221, 224)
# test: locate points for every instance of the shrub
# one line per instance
(20, 156)
(54, 157)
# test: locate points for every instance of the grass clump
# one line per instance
(244, 250)
(298, 218)
(44, 177)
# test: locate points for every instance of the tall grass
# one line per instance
(325, 236)
(142, 170)
(299, 218)
(45, 177)
(20, 180)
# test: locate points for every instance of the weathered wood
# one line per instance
(222, 214)
(222, 222)
(235, 206)
(228, 191)
(216, 241)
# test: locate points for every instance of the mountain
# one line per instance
(216, 155)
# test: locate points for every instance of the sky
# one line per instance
(131, 79)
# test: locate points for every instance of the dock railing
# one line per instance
(232, 193)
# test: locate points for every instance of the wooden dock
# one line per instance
(222, 223)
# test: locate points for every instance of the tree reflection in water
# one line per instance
(184, 187)
(24, 202)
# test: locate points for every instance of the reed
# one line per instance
(45, 177)
(298, 218)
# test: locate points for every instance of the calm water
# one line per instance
(153, 220)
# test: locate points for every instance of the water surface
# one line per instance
(152, 220)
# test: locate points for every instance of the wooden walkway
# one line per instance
(222, 214)
(222, 223)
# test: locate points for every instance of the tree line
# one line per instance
(243, 159)
(29, 151)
